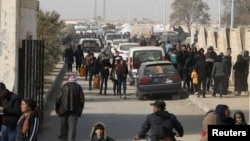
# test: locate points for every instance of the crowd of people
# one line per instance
(101, 66)
(203, 71)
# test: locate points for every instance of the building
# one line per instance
(17, 22)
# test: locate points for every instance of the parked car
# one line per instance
(139, 55)
(123, 49)
(158, 78)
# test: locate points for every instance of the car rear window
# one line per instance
(114, 36)
(159, 69)
(127, 47)
(90, 43)
(146, 56)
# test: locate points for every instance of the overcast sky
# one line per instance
(117, 9)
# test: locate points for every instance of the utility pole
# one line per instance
(219, 13)
(95, 9)
(165, 10)
(128, 11)
(104, 9)
(232, 14)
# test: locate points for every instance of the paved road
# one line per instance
(123, 118)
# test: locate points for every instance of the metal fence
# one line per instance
(31, 71)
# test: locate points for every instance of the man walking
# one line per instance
(69, 105)
(69, 58)
(11, 110)
(158, 119)
(79, 56)
(227, 60)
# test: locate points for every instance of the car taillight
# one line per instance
(165, 58)
(176, 77)
(130, 63)
(144, 80)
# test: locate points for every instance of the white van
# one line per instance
(139, 55)
(109, 37)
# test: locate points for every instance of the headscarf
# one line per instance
(244, 122)
(72, 78)
(220, 111)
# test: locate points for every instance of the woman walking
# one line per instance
(219, 76)
(122, 71)
(239, 74)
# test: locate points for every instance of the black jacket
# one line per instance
(93, 66)
(70, 99)
(104, 68)
(33, 128)
(201, 68)
(79, 56)
(155, 121)
(12, 109)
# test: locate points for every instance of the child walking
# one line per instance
(194, 77)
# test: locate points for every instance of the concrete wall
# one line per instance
(235, 43)
(201, 38)
(17, 22)
(247, 39)
(222, 44)
(8, 42)
(28, 19)
(211, 39)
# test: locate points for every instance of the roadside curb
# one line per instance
(47, 95)
(200, 104)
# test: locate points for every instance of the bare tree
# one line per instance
(189, 12)
(242, 12)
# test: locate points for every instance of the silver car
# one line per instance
(158, 78)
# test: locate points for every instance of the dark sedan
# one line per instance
(158, 78)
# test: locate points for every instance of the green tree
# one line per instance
(189, 12)
(241, 15)
(50, 29)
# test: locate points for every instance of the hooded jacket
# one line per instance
(209, 119)
(157, 120)
(222, 119)
(70, 99)
(105, 136)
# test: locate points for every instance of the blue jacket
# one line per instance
(69, 56)
(79, 56)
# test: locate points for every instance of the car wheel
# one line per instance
(140, 97)
(178, 95)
